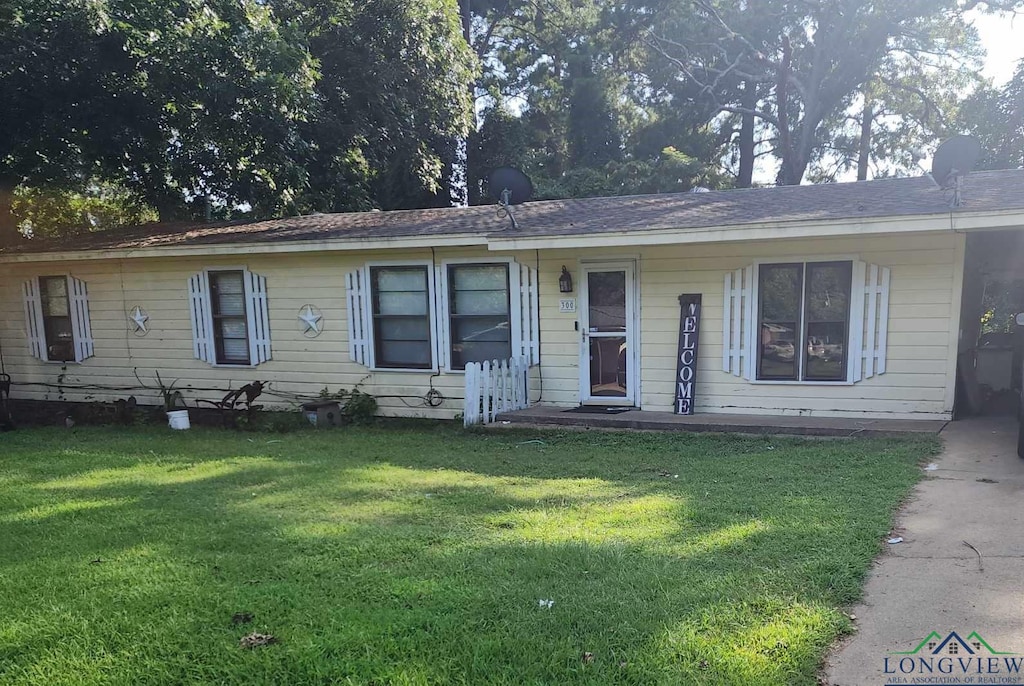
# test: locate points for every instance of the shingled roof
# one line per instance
(992, 191)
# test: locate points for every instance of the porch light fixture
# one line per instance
(565, 281)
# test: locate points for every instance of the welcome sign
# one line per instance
(689, 335)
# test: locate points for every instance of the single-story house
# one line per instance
(837, 300)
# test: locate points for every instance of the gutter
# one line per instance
(252, 248)
(952, 222)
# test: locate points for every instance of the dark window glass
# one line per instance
(606, 300)
(60, 339)
(401, 317)
(803, 315)
(478, 303)
(779, 287)
(230, 328)
(827, 307)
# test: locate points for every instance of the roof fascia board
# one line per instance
(261, 248)
(768, 231)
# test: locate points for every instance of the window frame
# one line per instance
(753, 336)
(44, 317)
(450, 316)
(246, 275)
(218, 344)
(370, 318)
(514, 292)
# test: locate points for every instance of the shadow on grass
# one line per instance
(420, 557)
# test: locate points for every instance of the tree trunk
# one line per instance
(467, 21)
(791, 172)
(9, 234)
(864, 153)
(746, 139)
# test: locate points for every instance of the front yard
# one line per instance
(421, 555)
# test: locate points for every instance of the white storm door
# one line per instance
(608, 366)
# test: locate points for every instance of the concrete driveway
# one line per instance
(933, 581)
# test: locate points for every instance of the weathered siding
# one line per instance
(924, 311)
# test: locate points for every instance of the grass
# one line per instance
(419, 555)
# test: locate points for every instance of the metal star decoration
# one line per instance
(139, 317)
(312, 319)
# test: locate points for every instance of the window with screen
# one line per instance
(230, 326)
(57, 327)
(803, 321)
(479, 313)
(401, 317)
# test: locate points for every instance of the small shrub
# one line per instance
(360, 408)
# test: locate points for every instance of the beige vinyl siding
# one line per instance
(924, 312)
(300, 365)
(924, 304)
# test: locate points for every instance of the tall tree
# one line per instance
(996, 117)
(176, 100)
(811, 58)
(273, 106)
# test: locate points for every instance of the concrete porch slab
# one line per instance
(723, 423)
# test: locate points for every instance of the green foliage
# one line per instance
(817, 65)
(996, 117)
(60, 212)
(391, 555)
(273, 107)
(360, 408)
(1003, 300)
(357, 406)
(391, 100)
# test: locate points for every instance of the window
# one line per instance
(230, 317)
(230, 326)
(803, 321)
(57, 328)
(480, 322)
(57, 318)
(479, 311)
(401, 317)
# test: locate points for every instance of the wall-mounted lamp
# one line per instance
(565, 281)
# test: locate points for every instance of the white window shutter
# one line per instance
(869, 320)
(443, 347)
(357, 292)
(202, 319)
(738, 325)
(80, 324)
(258, 319)
(528, 315)
(34, 318)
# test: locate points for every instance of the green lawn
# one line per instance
(415, 555)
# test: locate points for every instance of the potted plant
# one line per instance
(174, 405)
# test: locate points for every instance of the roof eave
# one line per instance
(252, 247)
(890, 225)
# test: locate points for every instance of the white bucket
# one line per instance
(178, 419)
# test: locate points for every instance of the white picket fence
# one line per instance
(495, 387)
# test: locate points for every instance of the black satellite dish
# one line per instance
(509, 187)
(954, 160)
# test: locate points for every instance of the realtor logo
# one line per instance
(952, 659)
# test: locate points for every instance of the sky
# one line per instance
(1003, 38)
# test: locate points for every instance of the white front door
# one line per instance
(608, 325)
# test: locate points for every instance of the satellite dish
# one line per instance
(954, 160)
(509, 187)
